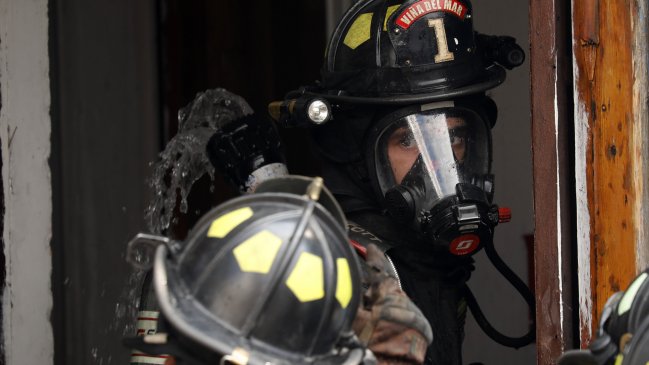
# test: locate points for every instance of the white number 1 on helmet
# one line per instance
(443, 54)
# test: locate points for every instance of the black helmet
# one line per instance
(413, 51)
(265, 278)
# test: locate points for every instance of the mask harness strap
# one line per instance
(519, 285)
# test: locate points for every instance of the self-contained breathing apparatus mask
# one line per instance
(432, 165)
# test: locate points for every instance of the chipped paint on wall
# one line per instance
(25, 131)
(583, 214)
(559, 223)
(641, 129)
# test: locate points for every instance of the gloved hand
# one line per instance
(388, 322)
(247, 151)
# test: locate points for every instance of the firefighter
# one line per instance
(402, 123)
(270, 278)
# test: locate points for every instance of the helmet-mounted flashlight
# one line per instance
(318, 111)
(301, 112)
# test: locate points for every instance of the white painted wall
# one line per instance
(640, 143)
(25, 134)
(583, 214)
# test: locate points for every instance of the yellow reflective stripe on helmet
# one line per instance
(226, 223)
(307, 279)
(257, 253)
(627, 299)
(391, 9)
(344, 284)
(359, 32)
(619, 359)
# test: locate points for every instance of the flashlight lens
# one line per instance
(318, 112)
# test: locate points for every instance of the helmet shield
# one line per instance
(431, 151)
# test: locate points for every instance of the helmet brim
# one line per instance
(492, 76)
(180, 311)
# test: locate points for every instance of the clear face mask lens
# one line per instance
(451, 146)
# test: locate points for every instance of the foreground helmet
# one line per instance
(267, 278)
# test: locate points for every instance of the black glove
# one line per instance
(247, 151)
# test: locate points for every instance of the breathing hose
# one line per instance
(519, 285)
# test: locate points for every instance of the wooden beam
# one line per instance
(553, 197)
(610, 119)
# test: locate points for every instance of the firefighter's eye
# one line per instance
(455, 140)
(407, 140)
(457, 135)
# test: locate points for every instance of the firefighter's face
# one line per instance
(403, 150)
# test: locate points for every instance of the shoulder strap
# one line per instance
(360, 238)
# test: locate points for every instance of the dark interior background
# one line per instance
(257, 49)
(120, 72)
